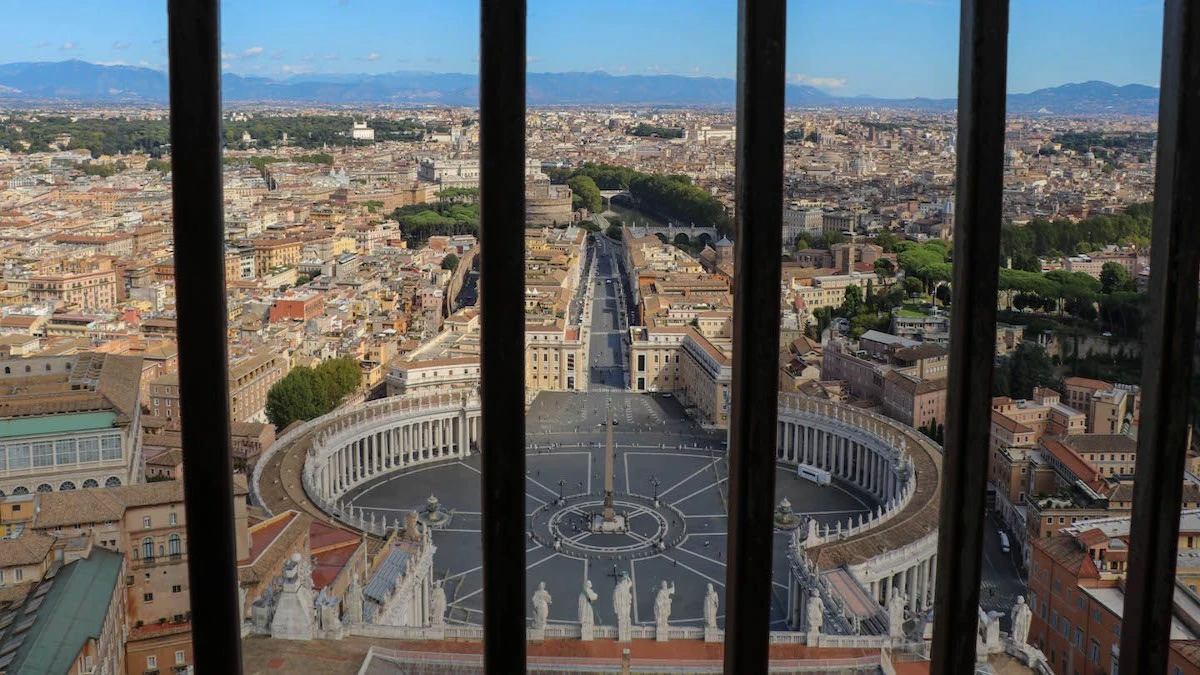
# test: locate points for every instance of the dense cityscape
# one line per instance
(352, 279)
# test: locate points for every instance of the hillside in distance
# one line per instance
(82, 82)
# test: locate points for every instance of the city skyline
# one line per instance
(907, 48)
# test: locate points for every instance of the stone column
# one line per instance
(914, 586)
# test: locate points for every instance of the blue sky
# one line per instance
(893, 48)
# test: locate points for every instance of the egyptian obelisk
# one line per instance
(608, 470)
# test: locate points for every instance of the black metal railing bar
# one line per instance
(1168, 351)
(195, 83)
(982, 67)
(754, 392)
(502, 320)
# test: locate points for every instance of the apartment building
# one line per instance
(1110, 408)
(91, 287)
(250, 380)
(1077, 595)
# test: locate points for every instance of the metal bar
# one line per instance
(982, 66)
(195, 81)
(755, 386)
(502, 316)
(1169, 349)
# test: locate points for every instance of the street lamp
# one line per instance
(561, 483)
(655, 483)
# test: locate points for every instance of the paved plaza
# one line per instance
(690, 483)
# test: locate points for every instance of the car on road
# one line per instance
(1004, 542)
(667, 394)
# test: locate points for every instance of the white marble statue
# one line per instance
(662, 605)
(1021, 617)
(541, 606)
(437, 606)
(587, 616)
(895, 610)
(623, 603)
(710, 608)
(816, 614)
(354, 601)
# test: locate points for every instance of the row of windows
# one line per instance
(152, 661)
(61, 452)
(174, 547)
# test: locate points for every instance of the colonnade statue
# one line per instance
(662, 605)
(587, 616)
(710, 608)
(1021, 617)
(541, 606)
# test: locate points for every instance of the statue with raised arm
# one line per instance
(816, 614)
(541, 605)
(662, 605)
(710, 608)
(1021, 617)
(437, 605)
(587, 616)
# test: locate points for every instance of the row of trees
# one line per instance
(1041, 238)
(643, 129)
(306, 392)
(316, 131)
(98, 136)
(671, 196)
(418, 222)
(585, 194)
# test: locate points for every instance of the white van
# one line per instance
(1004, 543)
(812, 473)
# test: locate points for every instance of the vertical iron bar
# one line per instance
(755, 390)
(502, 316)
(1169, 349)
(195, 83)
(982, 69)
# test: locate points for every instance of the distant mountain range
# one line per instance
(83, 82)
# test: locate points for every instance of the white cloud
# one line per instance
(67, 46)
(332, 57)
(307, 57)
(696, 69)
(144, 63)
(373, 56)
(815, 81)
(296, 69)
(654, 68)
(120, 45)
(41, 45)
(251, 52)
(532, 59)
(118, 62)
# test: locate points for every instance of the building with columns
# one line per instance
(853, 569)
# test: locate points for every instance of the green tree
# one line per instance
(585, 194)
(1028, 367)
(1115, 278)
(885, 268)
(613, 232)
(942, 293)
(302, 395)
(450, 262)
(913, 286)
(852, 302)
(682, 241)
(342, 376)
